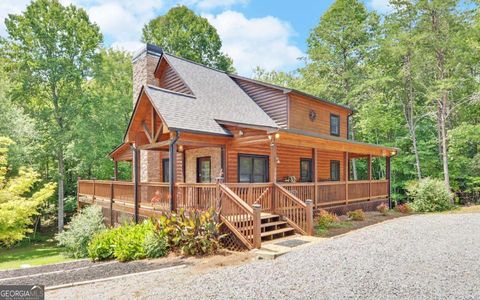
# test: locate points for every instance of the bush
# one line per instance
(383, 209)
(356, 215)
(102, 246)
(155, 244)
(129, 243)
(325, 218)
(429, 195)
(80, 231)
(70, 204)
(193, 233)
(403, 208)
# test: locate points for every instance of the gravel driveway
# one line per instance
(416, 257)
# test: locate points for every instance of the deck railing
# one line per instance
(240, 204)
(293, 209)
(239, 217)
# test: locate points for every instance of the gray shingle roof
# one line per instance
(216, 98)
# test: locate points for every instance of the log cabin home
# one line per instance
(266, 157)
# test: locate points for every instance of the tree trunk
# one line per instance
(61, 192)
(444, 140)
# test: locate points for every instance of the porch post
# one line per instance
(273, 160)
(387, 159)
(224, 163)
(314, 175)
(172, 163)
(257, 223)
(112, 196)
(347, 172)
(369, 177)
(115, 170)
(136, 181)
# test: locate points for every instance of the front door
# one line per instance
(204, 169)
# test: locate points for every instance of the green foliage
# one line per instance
(429, 195)
(183, 33)
(156, 245)
(71, 204)
(20, 198)
(80, 231)
(102, 245)
(49, 53)
(356, 215)
(129, 242)
(325, 219)
(383, 209)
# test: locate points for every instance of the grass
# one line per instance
(42, 251)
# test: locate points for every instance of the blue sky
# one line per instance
(267, 33)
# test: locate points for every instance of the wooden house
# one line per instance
(268, 157)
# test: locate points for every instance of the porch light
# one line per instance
(180, 148)
(270, 137)
(240, 133)
(393, 152)
(277, 135)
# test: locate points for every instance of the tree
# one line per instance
(183, 33)
(443, 31)
(50, 50)
(338, 49)
(106, 113)
(18, 201)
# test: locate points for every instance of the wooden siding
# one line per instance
(323, 164)
(170, 80)
(289, 157)
(300, 107)
(272, 101)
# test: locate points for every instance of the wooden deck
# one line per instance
(240, 205)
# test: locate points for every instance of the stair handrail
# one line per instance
(296, 212)
(243, 221)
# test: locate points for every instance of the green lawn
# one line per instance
(37, 253)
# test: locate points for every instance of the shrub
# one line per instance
(403, 208)
(383, 209)
(129, 242)
(356, 215)
(83, 226)
(102, 246)
(429, 195)
(155, 244)
(193, 233)
(325, 218)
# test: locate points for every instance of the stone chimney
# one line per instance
(144, 64)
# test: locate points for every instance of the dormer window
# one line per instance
(334, 125)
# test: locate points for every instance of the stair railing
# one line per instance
(297, 213)
(243, 220)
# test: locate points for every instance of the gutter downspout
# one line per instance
(172, 163)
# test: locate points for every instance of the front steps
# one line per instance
(273, 227)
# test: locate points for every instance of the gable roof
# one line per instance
(216, 97)
(287, 90)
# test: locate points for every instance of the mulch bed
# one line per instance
(64, 273)
(371, 218)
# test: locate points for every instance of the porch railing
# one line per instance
(236, 201)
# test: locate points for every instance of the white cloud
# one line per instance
(131, 46)
(382, 6)
(10, 7)
(255, 42)
(210, 4)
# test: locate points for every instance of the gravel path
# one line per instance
(416, 257)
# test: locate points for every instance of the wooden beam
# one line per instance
(273, 161)
(244, 141)
(147, 132)
(369, 173)
(154, 145)
(115, 170)
(388, 176)
(136, 181)
(160, 129)
(198, 144)
(347, 173)
(152, 119)
(315, 175)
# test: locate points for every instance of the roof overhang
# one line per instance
(321, 141)
(122, 152)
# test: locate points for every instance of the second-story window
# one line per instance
(334, 125)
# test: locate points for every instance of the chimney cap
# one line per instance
(149, 49)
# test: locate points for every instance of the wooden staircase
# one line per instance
(273, 227)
